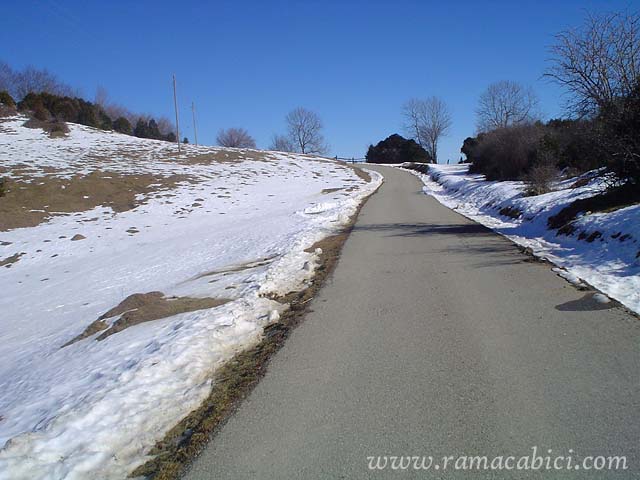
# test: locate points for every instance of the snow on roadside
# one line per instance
(610, 262)
(95, 408)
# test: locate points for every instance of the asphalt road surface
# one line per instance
(436, 337)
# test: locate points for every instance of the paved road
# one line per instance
(437, 337)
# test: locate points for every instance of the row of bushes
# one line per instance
(610, 140)
(45, 106)
(512, 152)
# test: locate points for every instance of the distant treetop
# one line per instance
(397, 149)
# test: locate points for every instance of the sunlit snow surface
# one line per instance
(94, 408)
(610, 263)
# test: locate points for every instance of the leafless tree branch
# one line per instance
(304, 129)
(281, 143)
(598, 62)
(427, 121)
(505, 103)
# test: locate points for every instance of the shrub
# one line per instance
(511, 153)
(104, 122)
(41, 113)
(122, 125)
(142, 129)
(575, 144)
(3, 187)
(505, 153)
(7, 100)
(76, 110)
(397, 149)
(235, 137)
(66, 110)
(540, 178)
(154, 130)
(55, 128)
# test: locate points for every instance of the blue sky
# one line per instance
(248, 63)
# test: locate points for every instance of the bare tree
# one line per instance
(165, 126)
(236, 138)
(415, 114)
(281, 143)
(115, 110)
(33, 80)
(102, 96)
(305, 131)
(505, 103)
(598, 62)
(7, 79)
(427, 121)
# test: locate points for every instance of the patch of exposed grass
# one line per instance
(361, 173)
(7, 262)
(27, 204)
(144, 307)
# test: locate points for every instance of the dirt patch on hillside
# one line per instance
(7, 262)
(27, 204)
(227, 156)
(144, 307)
(235, 380)
(360, 172)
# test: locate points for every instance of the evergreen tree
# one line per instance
(397, 149)
(7, 99)
(142, 129)
(122, 125)
(154, 131)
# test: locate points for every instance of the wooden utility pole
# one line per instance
(195, 128)
(175, 104)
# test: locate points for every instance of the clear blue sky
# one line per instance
(248, 63)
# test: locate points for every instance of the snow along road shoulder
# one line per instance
(609, 262)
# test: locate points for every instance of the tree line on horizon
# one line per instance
(48, 99)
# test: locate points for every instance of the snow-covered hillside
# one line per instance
(604, 250)
(231, 226)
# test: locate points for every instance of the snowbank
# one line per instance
(610, 262)
(236, 230)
